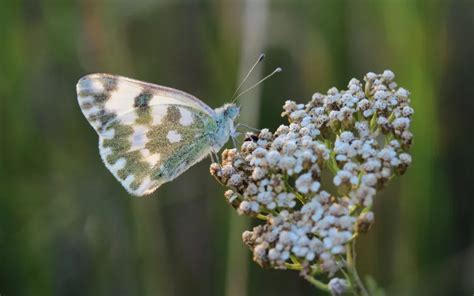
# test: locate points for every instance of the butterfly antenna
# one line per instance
(260, 58)
(277, 70)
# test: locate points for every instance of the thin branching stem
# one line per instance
(318, 284)
(356, 283)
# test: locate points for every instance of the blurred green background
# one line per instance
(68, 228)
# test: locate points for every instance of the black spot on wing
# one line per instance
(87, 87)
(141, 102)
(103, 117)
(110, 82)
(100, 99)
(172, 114)
(86, 106)
(143, 99)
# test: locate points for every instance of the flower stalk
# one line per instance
(352, 275)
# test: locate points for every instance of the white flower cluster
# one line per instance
(359, 135)
(316, 233)
(259, 173)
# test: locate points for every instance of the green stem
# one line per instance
(318, 284)
(353, 276)
(296, 265)
(332, 163)
(293, 266)
(299, 197)
(373, 122)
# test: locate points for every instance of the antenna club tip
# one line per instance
(261, 57)
(278, 70)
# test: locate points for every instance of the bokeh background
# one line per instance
(68, 228)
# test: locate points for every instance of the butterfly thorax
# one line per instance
(224, 118)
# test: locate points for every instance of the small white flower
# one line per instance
(371, 165)
(273, 157)
(259, 152)
(295, 115)
(235, 180)
(394, 144)
(231, 196)
(401, 123)
(227, 171)
(386, 154)
(259, 251)
(405, 158)
(338, 286)
(402, 93)
(317, 98)
(346, 137)
(306, 121)
(368, 113)
(254, 206)
(286, 237)
(258, 173)
(245, 206)
(369, 180)
(345, 177)
(328, 243)
(345, 114)
(370, 76)
(273, 254)
(380, 95)
(333, 115)
(287, 163)
(265, 197)
(407, 111)
(341, 157)
(282, 129)
(337, 249)
(289, 147)
(305, 183)
(251, 189)
(346, 222)
(363, 105)
(317, 214)
(388, 75)
(380, 105)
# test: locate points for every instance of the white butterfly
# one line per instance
(150, 134)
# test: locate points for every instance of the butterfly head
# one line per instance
(231, 111)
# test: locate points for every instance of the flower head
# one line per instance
(359, 136)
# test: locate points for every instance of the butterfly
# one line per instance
(150, 134)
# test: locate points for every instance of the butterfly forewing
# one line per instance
(148, 134)
(103, 97)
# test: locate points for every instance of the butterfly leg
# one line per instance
(234, 141)
(214, 157)
(249, 127)
(233, 135)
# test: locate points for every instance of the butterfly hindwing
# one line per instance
(145, 151)
(148, 134)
